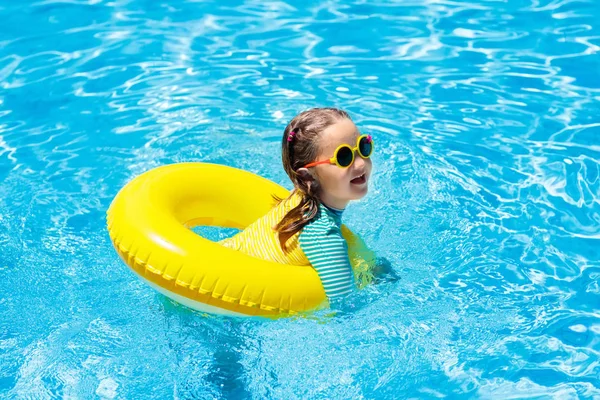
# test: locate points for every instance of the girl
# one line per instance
(328, 161)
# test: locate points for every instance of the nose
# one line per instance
(359, 162)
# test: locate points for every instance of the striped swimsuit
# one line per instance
(319, 244)
(322, 242)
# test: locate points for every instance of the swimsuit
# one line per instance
(319, 244)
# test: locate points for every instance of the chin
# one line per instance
(358, 194)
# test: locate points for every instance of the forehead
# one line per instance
(342, 132)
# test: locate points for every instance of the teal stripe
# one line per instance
(338, 284)
(324, 260)
(343, 281)
(333, 244)
(325, 251)
(331, 292)
(332, 272)
(326, 271)
(322, 241)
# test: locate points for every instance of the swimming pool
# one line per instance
(485, 195)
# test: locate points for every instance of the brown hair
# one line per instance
(299, 146)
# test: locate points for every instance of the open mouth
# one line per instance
(359, 180)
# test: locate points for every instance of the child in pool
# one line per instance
(327, 159)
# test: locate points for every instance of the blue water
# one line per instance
(485, 196)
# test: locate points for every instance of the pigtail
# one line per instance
(297, 218)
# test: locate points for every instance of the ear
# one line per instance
(305, 174)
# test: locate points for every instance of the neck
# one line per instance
(333, 203)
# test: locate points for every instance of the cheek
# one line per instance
(332, 179)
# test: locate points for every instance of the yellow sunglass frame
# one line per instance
(353, 150)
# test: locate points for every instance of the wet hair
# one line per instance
(300, 146)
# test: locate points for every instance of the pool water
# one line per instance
(485, 196)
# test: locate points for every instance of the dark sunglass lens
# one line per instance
(365, 147)
(344, 156)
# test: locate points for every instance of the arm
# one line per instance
(327, 252)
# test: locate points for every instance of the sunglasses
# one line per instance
(343, 156)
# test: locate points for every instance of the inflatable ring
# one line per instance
(149, 224)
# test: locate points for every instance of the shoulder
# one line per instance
(323, 228)
(322, 223)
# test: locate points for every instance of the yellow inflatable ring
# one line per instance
(149, 224)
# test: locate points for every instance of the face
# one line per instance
(338, 185)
